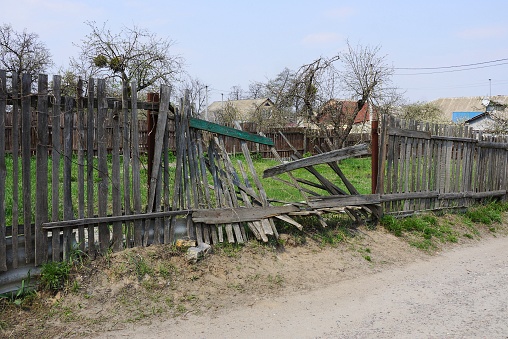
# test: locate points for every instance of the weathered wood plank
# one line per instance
(332, 156)
(41, 200)
(81, 162)
(26, 121)
(15, 169)
(127, 148)
(3, 172)
(67, 173)
(103, 184)
(90, 199)
(136, 168)
(395, 131)
(109, 220)
(405, 196)
(344, 200)
(159, 139)
(228, 131)
(115, 180)
(240, 214)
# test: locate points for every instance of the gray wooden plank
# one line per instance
(126, 147)
(68, 212)
(344, 200)
(26, 153)
(159, 139)
(115, 180)
(41, 200)
(81, 161)
(240, 214)
(15, 168)
(103, 184)
(136, 180)
(335, 155)
(3, 173)
(90, 169)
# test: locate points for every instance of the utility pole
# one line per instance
(490, 88)
(206, 102)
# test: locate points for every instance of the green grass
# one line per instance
(356, 170)
(423, 230)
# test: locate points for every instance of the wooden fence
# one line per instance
(427, 166)
(97, 199)
(303, 139)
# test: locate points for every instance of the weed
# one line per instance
(368, 258)
(467, 235)
(229, 249)
(486, 214)
(180, 309)
(24, 292)
(277, 280)
(422, 228)
(54, 275)
(141, 268)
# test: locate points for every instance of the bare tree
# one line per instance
(22, 52)
(197, 94)
(236, 93)
(131, 54)
(359, 74)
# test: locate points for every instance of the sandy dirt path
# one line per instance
(462, 293)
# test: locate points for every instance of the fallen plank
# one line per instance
(322, 158)
(240, 214)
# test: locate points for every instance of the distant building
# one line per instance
(466, 108)
(239, 110)
(340, 111)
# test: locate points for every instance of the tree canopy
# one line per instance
(22, 52)
(132, 54)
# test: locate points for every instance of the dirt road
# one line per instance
(462, 293)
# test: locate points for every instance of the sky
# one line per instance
(234, 43)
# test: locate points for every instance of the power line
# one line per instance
(454, 70)
(454, 66)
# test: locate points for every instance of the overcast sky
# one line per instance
(228, 43)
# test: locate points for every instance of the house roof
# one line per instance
(478, 117)
(465, 104)
(242, 106)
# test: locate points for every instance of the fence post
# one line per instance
(151, 120)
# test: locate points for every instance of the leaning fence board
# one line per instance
(240, 214)
(3, 103)
(331, 156)
(41, 201)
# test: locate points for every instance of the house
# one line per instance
(480, 122)
(335, 112)
(466, 108)
(240, 110)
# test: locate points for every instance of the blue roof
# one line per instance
(463, 116)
